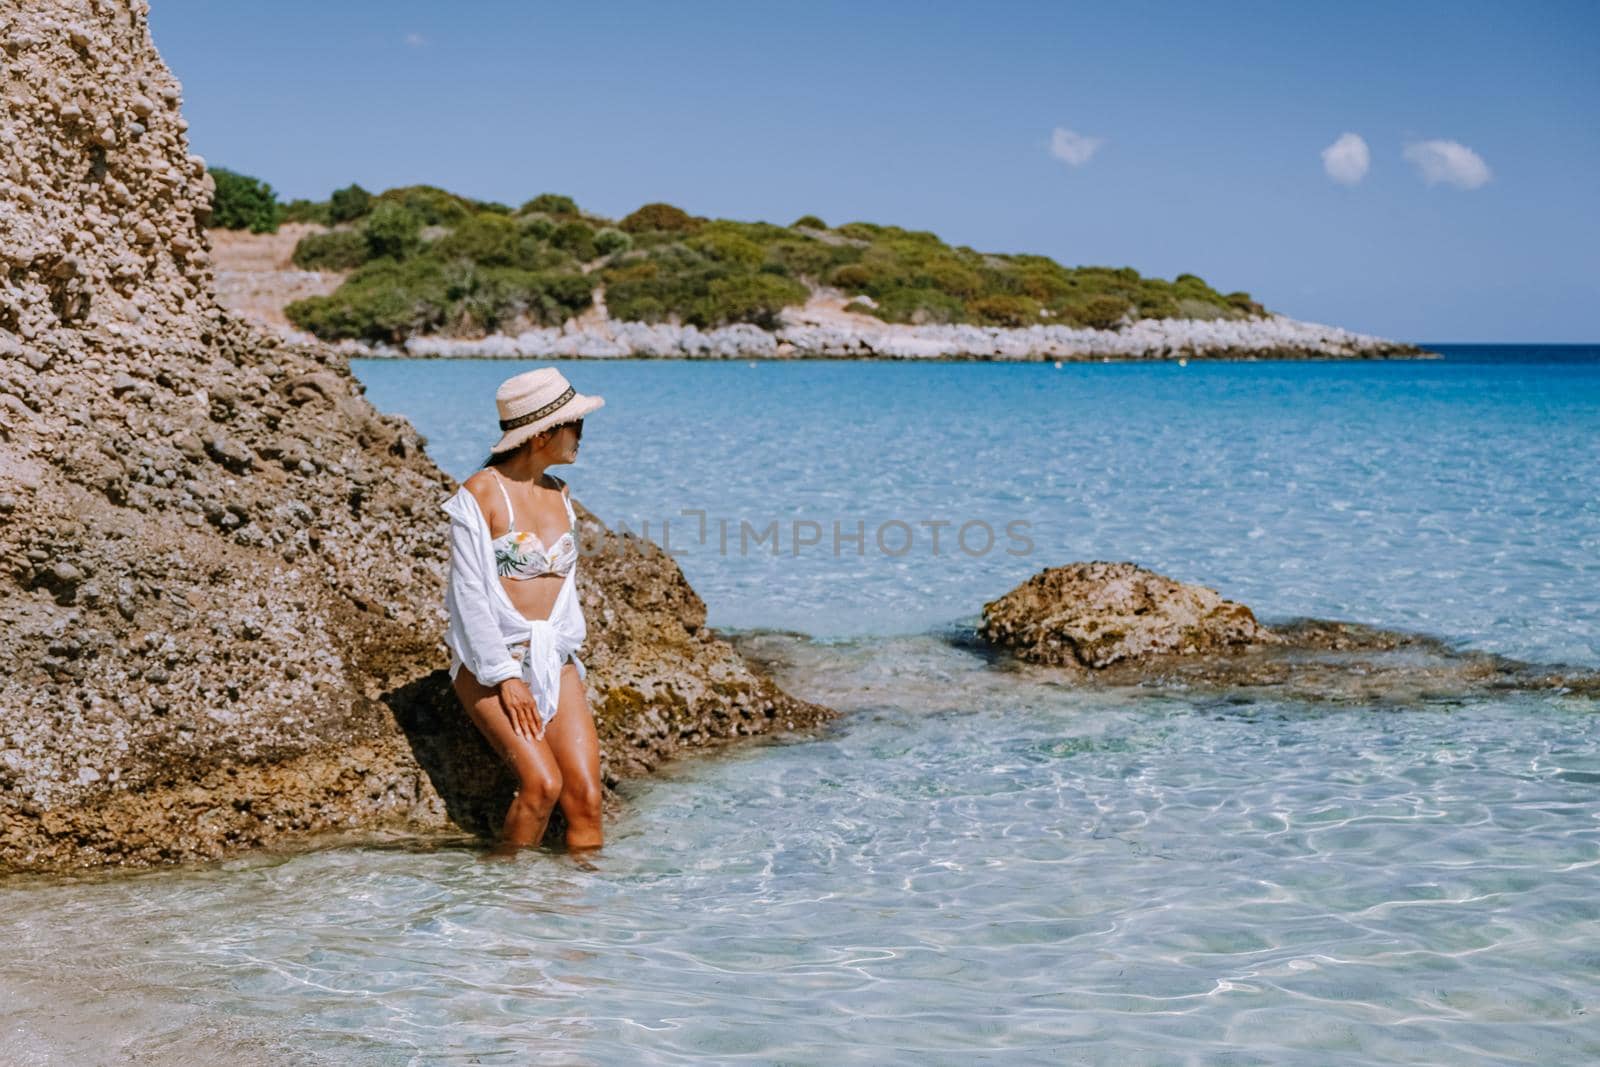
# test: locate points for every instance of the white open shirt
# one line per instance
(484, 622)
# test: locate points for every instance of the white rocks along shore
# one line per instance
(802, 337)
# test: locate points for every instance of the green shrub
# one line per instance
(631, 270)
(533, 254)
(490, 299)
(335, 250)
(576, 238)
(804, 256)
(662, 217)
(808, 222)
(305, 211)
(951, 277)
(1045, 283)
(540, 227)
(611, 240)
(674, 280)
(389, 301)
(1187, 287)
(1005, 310)
(551, 204)
(755, 298)
(433, 205)
(643, 292)
(762, 233)
(241, 202)
(1124, 275)
(1240, 301)
(1158, 306)
(918, 306)
(348, 204)
(1100, 312)
(486, 239)
(648, 240)
(565, 295)
(729, 248)
(392, 231)
(382, 301)
(852, 276)
(1190, 308)
(861, 231)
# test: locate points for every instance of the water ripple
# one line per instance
(1054, 875)
(975, 865)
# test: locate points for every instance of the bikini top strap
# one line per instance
(510, 511)
(566, 499)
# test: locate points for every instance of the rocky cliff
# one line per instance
(221, 569)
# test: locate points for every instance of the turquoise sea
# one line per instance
(975, 865)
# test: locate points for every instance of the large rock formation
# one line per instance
(221, 570)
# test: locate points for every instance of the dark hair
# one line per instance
(497, 458)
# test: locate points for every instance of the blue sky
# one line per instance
(1192, 136)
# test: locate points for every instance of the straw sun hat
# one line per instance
(536, 401)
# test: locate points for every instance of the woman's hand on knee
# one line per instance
(521, 709)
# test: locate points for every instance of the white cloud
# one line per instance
(416, 40)
(1347, 159)
(1447, 161)
(1073, 149)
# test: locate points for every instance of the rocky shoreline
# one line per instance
(802, 337)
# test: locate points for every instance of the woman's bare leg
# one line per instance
(572, 740)
(538, 773)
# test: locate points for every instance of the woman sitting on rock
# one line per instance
(515, 620)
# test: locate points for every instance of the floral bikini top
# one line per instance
(521, 555)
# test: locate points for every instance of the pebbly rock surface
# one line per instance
(1273, 337)
(1118, 624)
(221, 569)
(1096, 614)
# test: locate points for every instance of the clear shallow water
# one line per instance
(1004, 872)
(975, 864)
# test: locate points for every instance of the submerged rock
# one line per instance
(221, 569)
(1118, 624)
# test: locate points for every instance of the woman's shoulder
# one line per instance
(480, 487)
(480, 484)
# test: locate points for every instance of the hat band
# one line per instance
(535, 416)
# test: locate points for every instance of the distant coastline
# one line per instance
(256, 279)
(418, 272)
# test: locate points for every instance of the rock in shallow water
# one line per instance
(1095, 614)
(1118, 624)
